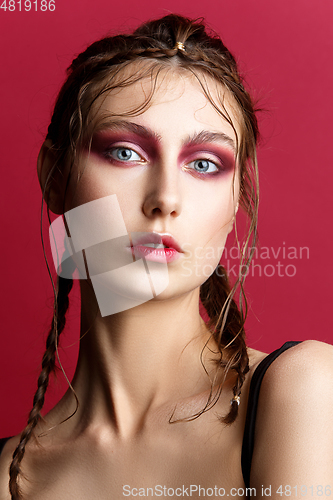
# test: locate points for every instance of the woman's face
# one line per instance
(172, 169)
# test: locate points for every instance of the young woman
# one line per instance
(149, 155)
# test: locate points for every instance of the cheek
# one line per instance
(216, 212)
(97, 181)
(212, 224)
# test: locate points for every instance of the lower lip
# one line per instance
(155, 255)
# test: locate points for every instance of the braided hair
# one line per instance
(181, 44)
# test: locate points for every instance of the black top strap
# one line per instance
(248, 439)
(3, 441)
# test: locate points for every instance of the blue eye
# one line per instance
(124, 154)
(204, 166)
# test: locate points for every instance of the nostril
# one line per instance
(156, 211)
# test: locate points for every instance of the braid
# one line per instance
(48, 366)
(227, 323)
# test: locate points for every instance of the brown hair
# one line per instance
(99, 69)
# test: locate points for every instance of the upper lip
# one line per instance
(165, 238)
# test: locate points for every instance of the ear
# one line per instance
(51, 180)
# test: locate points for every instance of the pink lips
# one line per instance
(170, 252)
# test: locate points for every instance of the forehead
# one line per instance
(172, 98)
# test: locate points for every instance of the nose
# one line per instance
(163, 196)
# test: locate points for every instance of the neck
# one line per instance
(137, 361)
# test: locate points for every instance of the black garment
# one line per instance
(3, 441)
(248, 439)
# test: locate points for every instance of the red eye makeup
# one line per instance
(129, 144)
(208, 160)
(127, 135)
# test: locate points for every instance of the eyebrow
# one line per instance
(137, 129)
(205, 136)
(198, 138)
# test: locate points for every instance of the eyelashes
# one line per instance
(202, 165)
(123, 154)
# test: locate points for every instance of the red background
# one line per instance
(286, 51)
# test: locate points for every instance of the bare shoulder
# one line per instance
(295, 406)
(308, 364)
(300, 380)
